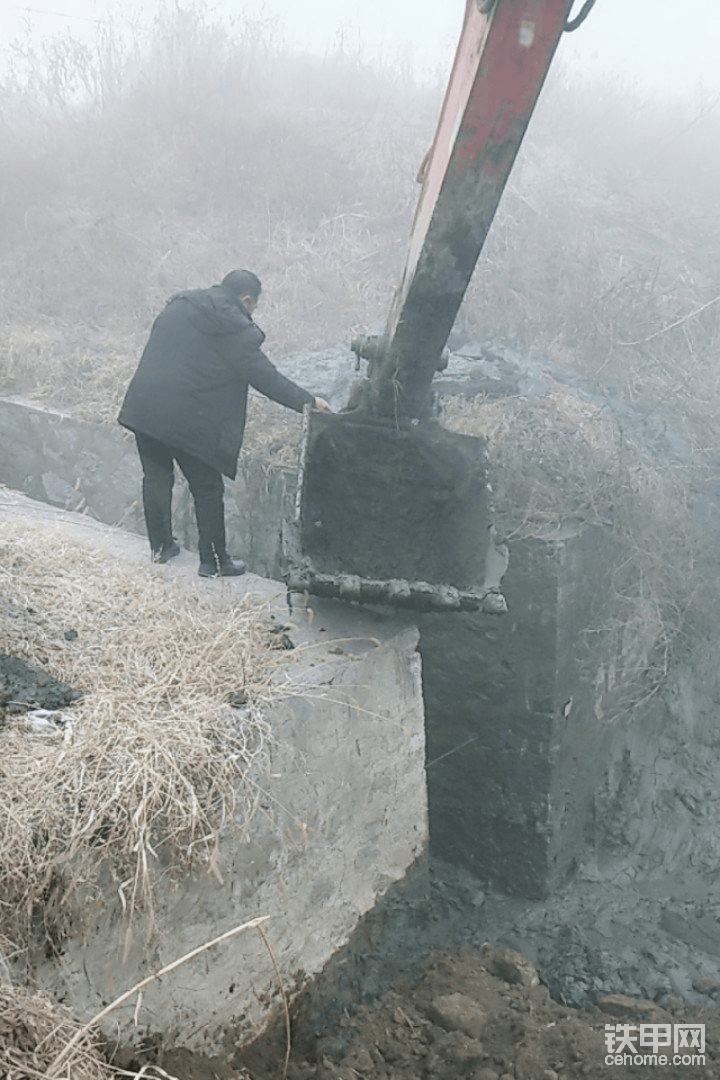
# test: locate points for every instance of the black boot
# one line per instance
(224, 567)
(166, 551)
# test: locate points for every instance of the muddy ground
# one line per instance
(420, 993)
(481, 1015)
(475, 1015)
(25, 688)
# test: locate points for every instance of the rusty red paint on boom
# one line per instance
(500, 65)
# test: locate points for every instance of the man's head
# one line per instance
(246, 286)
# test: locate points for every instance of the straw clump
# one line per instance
(559, 459)
(34, 1029)
(554, 457)
(35, 1033)
(166, 744)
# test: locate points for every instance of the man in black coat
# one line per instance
(186, 403)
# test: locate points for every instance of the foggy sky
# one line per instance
(658, 45)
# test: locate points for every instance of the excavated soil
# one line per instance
(24, 687)
(418, 996)
(482, 1016)
(475, 1015)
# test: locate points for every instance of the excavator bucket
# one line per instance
(391, 507)
(389, 513)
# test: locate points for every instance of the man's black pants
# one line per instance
(206, 488)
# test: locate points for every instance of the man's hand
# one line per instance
(321, 404)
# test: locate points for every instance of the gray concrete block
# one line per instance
(342, 815)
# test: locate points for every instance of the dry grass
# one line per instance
(273, 434)
(80, 371)
(554, 457)
(134, 171)
(153, 759)
(34, 1029)
(560, 459)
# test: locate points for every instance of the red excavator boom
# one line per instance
(391, 507)
(500, 65)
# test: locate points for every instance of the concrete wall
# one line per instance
(490, 694)
(342, 815)
(71, 464)
(94, 469)
(530, 709)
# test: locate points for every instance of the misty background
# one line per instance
(144, 157)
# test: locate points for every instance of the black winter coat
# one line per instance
(190, 388)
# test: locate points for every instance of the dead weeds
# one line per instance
(34, 1029)
(561, 461)
(80, 370)
(154, 756)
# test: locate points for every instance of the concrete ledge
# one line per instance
(94, 469)
(71, 464)
(342, 816)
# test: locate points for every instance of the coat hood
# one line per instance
(216, 312)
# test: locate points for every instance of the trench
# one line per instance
(589, 846)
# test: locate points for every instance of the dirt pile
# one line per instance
(486, 1016)
(472, 1015)
(420, 994)
(24, 687)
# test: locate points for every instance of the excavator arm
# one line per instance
(391, 507)
(503, 56)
